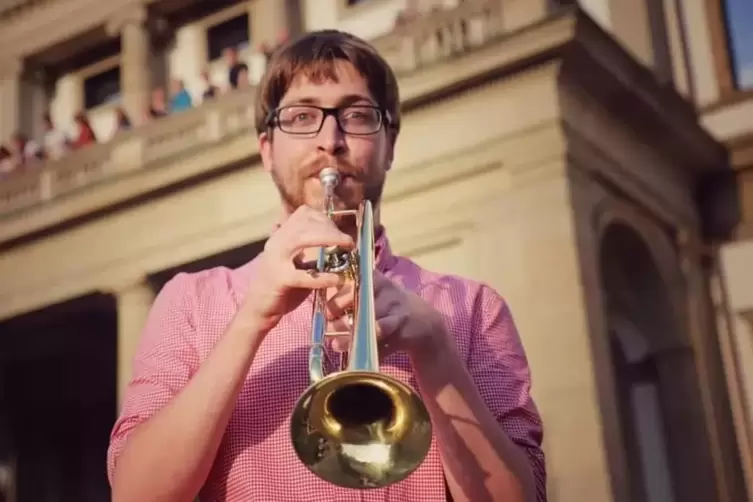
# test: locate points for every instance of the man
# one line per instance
(235, 67)
(224, 354)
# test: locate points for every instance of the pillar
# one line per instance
(10, 97)
(528, 250)
(133, 302)
(135, 68)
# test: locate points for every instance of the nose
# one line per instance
(331, 139)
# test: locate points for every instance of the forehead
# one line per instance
(328, 85)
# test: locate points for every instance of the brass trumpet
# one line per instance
(356, 428)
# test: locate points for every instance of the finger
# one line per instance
(339, 325)
(389, 326)
(386, 349)
(387, 337)
(300, 263)
(341, 343)
(318, 235)
(341, 301)
(314, 280)
(384, 286)
(387, 304)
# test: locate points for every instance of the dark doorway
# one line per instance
(58, 401)
(664, 437)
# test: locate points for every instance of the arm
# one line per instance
(487, 427)
(172, 422)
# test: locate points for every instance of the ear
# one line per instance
(265, 150)
(390, 149)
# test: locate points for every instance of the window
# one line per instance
(102, 89)
(739, 22)
(231, 33)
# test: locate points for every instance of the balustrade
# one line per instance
(437, 37)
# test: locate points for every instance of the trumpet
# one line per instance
(357, 427)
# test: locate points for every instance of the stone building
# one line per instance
(593, 162)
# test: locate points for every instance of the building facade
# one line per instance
(592, 161)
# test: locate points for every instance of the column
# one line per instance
(10, 97)
(529, 248)
(135, 70)
(133, 302)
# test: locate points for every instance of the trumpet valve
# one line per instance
(337, 260)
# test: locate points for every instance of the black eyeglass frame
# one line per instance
(385, 118)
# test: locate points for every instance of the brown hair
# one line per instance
(315, 55)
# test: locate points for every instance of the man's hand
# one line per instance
(405, 322)
(280, 286)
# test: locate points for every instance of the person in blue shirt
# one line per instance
(180, 98)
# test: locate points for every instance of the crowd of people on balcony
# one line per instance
(21, 153)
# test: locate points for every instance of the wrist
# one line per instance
(435, 349)
(251, 326)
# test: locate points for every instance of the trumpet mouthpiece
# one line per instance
(329, 176)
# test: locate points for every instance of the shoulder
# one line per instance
(200, 289)
(449, 289)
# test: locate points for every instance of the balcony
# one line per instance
(410, 49)
(435, 56)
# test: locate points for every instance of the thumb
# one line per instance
(388, 326)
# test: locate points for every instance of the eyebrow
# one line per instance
(346, 100)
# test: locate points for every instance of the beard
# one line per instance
(349, 193)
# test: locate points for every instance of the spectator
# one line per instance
(267, 50)
(158, 107)
(23, 150)
(6, 162)
(234, 66)
(180, 99)
(86, 134)
(243, 80)
(122, 122)
(54, 141)
(210, 90)
(410, 13)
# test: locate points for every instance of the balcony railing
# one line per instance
(424, 42)
(441, 35)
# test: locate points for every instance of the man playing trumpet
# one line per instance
(224, 355)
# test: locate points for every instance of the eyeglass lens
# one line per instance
(306, 119)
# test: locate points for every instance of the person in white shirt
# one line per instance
(54, 141)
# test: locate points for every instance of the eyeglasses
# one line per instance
(360, 120)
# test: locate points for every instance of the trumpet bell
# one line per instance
(361, 429)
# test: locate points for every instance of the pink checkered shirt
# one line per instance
(256, 461)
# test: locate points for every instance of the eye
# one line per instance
(299, 116)
(360, 114)
(302, 117)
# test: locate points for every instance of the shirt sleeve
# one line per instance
(499, 367)
(164, 362)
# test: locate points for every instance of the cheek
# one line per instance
(287, 156)
(366, 153)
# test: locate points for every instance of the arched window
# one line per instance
(663, 434)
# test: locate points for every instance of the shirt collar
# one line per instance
(385, 260)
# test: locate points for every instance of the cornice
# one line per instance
(127, 15)
(742, 151)
(594, 61)
(11, 68)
